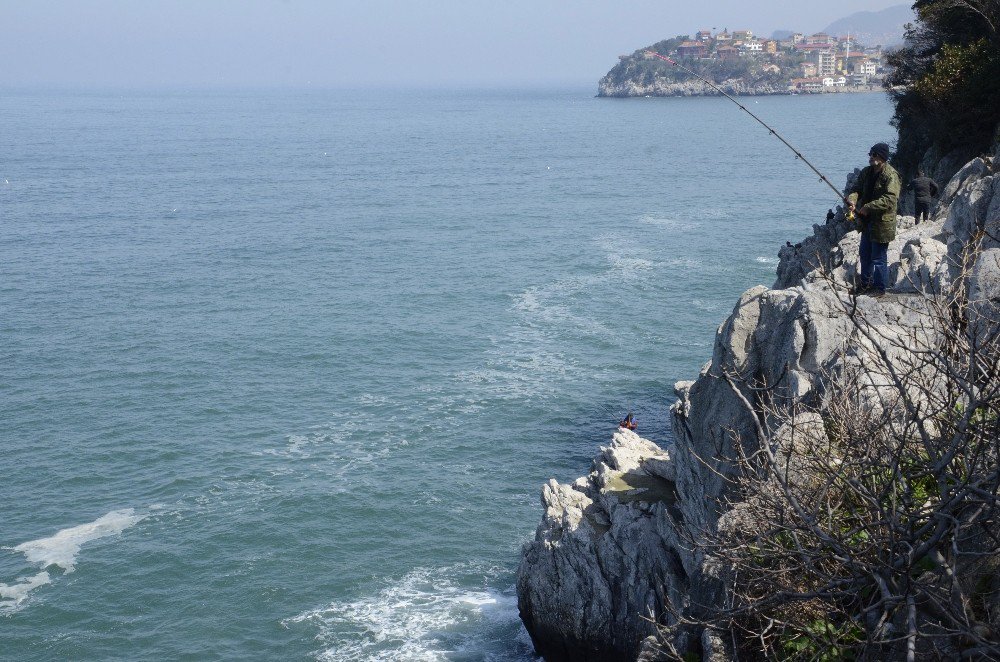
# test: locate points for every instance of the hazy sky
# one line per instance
(362, 42)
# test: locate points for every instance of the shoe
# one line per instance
(875, 294)
(859, 290)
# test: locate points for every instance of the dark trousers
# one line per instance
(923, 210)
(874, 263)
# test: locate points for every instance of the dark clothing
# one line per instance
(874, 264)
(880, 150)
(922, 210)
(924, 191)
(877, 193)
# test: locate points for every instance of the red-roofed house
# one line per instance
(820, 38)
(727, 52)
(692, 49)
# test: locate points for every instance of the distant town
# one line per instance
(818, 62)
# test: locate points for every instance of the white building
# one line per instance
(826, 63)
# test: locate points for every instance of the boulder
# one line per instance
(604, 556)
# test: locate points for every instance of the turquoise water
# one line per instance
(283, 373)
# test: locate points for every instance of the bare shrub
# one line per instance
(864, 524)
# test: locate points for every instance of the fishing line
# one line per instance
(774, 133)
(615, 413)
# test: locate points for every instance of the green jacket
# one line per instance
(878, 194)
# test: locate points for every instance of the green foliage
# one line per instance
(823, 641)
(641, 69)
(647, 71)
(946, 80)
(947, 74)
(665, 47)
(919, 486)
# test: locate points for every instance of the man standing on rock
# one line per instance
(873, 198)
(924, 190)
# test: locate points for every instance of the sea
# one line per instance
(282, 372)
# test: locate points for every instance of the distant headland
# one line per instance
(741, 63)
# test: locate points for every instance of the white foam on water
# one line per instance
(12, 596)
(549, 306)
(709, 306)
(767, 260)
(348, 438)
(718, 213)
(530, 359)
(61, 550)
(629, 267)
(689, 263)
(666, 222)
(425, 616)
(372, 399)
(689, 219)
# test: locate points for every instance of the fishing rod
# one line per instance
(798, 154)
(618, 417)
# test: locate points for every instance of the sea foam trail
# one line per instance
(61, 551)
(425, 616)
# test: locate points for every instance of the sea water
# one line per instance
(284, 371)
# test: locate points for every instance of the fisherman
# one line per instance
(628, 422)
(873, 198)
(924, 190)
(829, 216)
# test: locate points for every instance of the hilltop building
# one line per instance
(824, 62)
(692, 49)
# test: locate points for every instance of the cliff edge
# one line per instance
(617, 551)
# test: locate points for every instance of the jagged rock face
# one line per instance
(984, 286)
(601, 554)
(615, 546)
(975, 212)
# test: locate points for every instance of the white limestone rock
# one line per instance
(984, 292)
(985, 282)
(974, 213)
(615, 547)
(604, 552)
(610, 86)
(922, 264)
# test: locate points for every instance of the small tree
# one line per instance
(945, 80)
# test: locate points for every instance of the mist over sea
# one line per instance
(283, 372)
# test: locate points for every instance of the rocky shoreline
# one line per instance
(617, 549)
(610, 88)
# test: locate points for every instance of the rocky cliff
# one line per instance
(617, 548)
